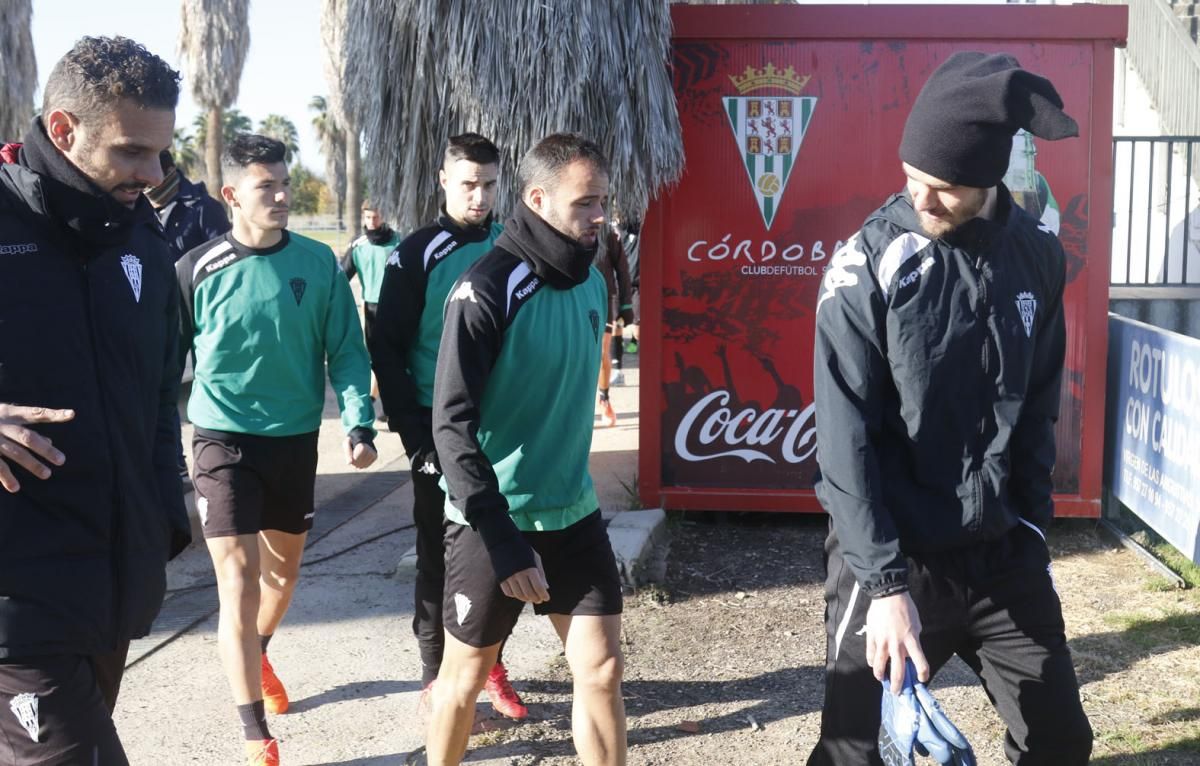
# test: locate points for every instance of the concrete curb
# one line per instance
(632, 534)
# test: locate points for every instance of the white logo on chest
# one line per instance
(25, 708)
(133, 272)
(1027, 305)
(464, 293)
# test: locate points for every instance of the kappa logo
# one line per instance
(220, 262)
(769, 129)
(594, 316)
(202, 510)
(1027, 305)
(132, 267)
(524, 292)
(839, 274)
(464, 293)
(25, 708)
(462, 607)
(394, 260)
(916, 273)
(298, 287)
(20, 248)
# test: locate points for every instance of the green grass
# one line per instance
(633, 500)
(1160, 548)
(337, 240)
(1145, 633)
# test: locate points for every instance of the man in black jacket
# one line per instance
(93, 504)
(938, 359)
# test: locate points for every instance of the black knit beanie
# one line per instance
(961, 127)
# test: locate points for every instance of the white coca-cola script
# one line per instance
(770, 435)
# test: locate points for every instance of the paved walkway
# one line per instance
(345, 650)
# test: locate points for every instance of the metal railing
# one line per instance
(1167, 60)
(1156, 213)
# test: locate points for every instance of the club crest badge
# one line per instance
(133, 272)
(298, 287)
(1027, 305)
(769, 129)
(25, 708)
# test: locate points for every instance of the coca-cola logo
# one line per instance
(770, 435)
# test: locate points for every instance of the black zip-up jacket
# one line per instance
(192, 218)
(88, 321)
(937, 373)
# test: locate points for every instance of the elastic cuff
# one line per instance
(362, 435)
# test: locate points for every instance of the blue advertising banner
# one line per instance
(1153, 445)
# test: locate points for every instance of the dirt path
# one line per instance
(730, 644)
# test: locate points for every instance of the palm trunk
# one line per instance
(213, 146)
(354, 196)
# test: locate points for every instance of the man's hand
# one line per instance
(529, 584)
(359, 455)
(24, 446)
(893, 635)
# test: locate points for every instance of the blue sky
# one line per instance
(282, 72)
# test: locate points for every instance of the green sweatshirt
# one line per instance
(263, 324)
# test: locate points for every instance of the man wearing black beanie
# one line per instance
(939, 352)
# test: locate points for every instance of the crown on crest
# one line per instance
(770, 77)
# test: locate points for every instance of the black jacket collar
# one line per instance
(556, 258)
(469, 233)
(71, 199)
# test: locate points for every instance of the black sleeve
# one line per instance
(166, 433)
(397, 319)
(213, 220)
(624, 285)
(346, 262)
(850, 380)
(471, 342)
(1033, 450)
(186, 309)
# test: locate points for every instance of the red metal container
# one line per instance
(791, 119)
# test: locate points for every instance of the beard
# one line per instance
(948, 221)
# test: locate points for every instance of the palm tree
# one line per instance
(18, 68)
(214, 36)
(334, 22)
(234, 122)
(283, 130)
(423, 71)
(187, 159)
(333, 146)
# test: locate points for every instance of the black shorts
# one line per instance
(369, 312)
(57, 699)
(580, 569)
(246, 483)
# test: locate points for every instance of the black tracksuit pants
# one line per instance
(430, 520)
(994, 605)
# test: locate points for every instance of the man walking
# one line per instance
(939, 356)
(512, 422)
(267, 311)
(92, 505)
(405, 352)
(366, 258)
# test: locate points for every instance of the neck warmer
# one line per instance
(379, 236)
(470, 232)
(162, 194)
(72, 198)
(552, 255)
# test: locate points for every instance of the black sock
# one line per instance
(264, 640)
(254, 721)
(618, 350)
(604, 394)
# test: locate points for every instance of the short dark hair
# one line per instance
(246, 149)
(100, 71)
(542, 165)
(471, 147)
